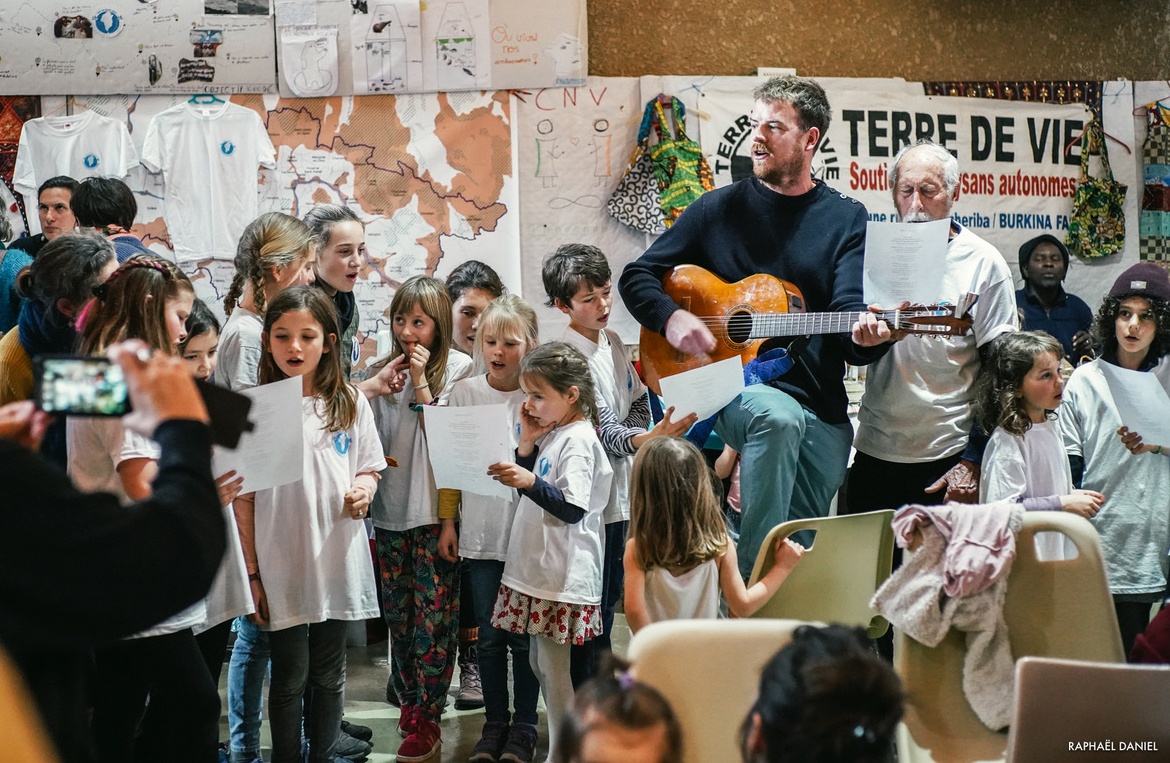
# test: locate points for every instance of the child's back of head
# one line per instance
(675, 514)
(273, 240)
(825, 697)
(614, 717)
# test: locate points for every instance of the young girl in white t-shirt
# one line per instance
(506, 331)
(420, 588)
(679, 556)
(1017, 395)
(229, 596)
(275, 251)
(146, 298)
(551, 584)
(305, 545)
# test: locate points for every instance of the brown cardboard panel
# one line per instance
(913, 39)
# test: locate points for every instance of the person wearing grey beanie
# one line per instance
(1044, 304)
(1107, 453)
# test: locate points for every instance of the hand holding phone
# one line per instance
(80, 386)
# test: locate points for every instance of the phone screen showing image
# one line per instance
(81, 386)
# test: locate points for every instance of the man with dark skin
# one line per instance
(1044, 304)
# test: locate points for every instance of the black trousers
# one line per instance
(183, 723)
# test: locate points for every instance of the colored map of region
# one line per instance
(430, 175)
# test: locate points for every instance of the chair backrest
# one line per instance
(849, 559)
(709, 670)
(1091, 711)
(1052, 608)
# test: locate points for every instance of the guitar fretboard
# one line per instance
(768, 325)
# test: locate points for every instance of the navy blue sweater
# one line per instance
(815, 241)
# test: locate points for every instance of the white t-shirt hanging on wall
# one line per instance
(78, 145)
(209, 156)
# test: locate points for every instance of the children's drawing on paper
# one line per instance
(455, 49)
(309, 57)
(387, 42)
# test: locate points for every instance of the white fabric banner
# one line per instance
(1016, 178)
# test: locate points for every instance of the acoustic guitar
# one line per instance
(762, 309)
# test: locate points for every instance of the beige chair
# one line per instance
(1122, 708)
(849, 559)
(709, 670)
(1053, 609)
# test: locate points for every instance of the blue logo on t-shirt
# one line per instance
(227, 148)
(341, 443)
(90, 161)
(543, 466)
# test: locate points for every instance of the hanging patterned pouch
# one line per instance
(682, 170)
(1097, 225)
(1155, 215)
(636, 200)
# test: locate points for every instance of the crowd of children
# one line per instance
(602, 503)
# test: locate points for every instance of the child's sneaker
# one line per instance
(521, 746)
(422, 743)
(406, 721)
(470, 696)
(491, 743)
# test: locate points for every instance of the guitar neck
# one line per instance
(769, 325)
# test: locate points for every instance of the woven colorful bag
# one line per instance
(1096, 227)
(682, 170)
(636, 201)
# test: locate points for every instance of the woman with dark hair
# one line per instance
(825, 697)
(56, 286)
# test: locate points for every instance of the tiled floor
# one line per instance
(365, 703)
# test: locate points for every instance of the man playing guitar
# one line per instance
(793, 434)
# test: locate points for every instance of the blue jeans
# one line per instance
(246, 671)
(303, 656)
(791, 463)
(586, 658)
(483, 576)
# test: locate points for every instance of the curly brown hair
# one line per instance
(1010, 357)
(1105, 325)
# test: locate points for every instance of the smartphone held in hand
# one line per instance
(80, 386)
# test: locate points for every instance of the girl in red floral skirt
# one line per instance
(551, 586)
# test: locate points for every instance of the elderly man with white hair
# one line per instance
(916, 417)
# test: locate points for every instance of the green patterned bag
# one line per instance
(1096, 227)
(682, 170)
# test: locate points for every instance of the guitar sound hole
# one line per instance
(739, 327)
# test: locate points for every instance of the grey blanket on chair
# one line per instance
(913, 600)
